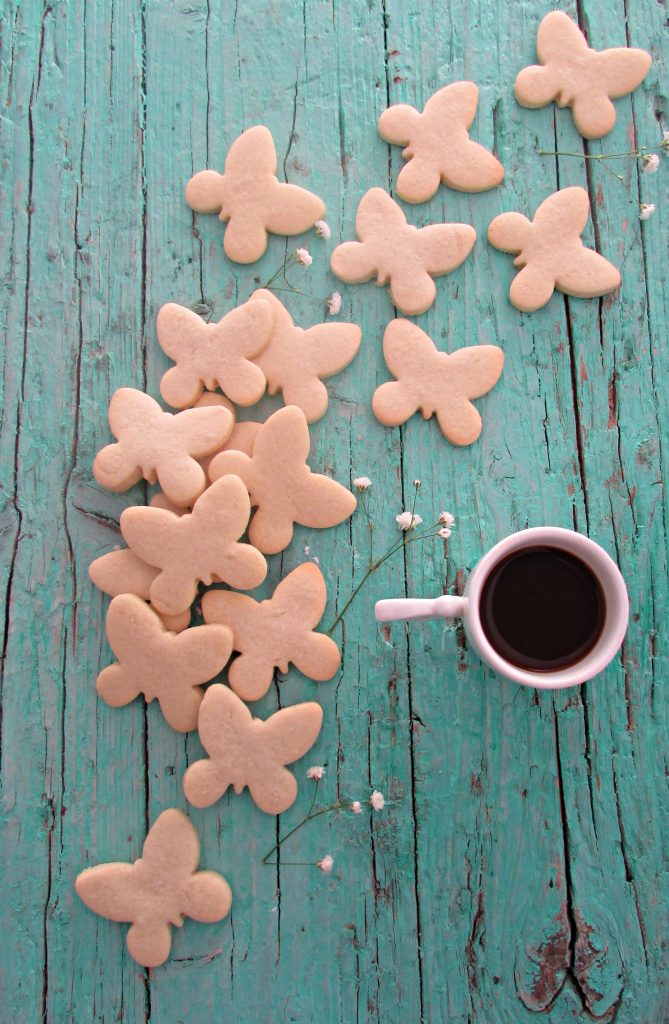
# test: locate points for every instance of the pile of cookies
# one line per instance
(221, 480)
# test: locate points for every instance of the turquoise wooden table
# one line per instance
(519, 869)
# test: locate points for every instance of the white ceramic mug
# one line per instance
(467, 607)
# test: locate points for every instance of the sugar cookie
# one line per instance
(438, 146)
(200, 546)
(271, 633)
(551, 253)
(295, 361)
(251, 198)
(435, 382)
(575, 76)
(158, 890)
(159, 446)
(398, 254)
(122, 572)
(246, 751)
(160, 664)
(282, 487)
(213, 355)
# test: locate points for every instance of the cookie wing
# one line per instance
(405, 345)
(454, 103)
(288, 734)
(397, 123)
(130, 409)
(285, 432)
(594, 114)
(302, 595)
(173, 324)
(252, 155)
(204, 192)
(376, 212)
(477, 370)
(201, 652)
(172, 847)
(443, 247)
(225, 503)
(122, 572)
(621, 69)
(564, 214)
(394, 403)
(509, 232)
(328, 348)
(208, 897)
(588, 275)
(204, 430)
(245, 238)
(531, 288)
(226, 608)
(558, 37)
(110, 890)
(353, 262)
(290, 209)
(149, 942)
(151, 533)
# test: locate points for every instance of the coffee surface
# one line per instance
(542, 609)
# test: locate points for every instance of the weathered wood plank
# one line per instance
(519, 867)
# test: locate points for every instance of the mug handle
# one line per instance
(416, 609)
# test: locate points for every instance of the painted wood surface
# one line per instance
(519, 871)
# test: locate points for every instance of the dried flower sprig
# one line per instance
(650, 161)
(407, 521)
(303, 257)
(377, 802)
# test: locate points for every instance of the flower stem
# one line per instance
(406, 539)
(309, 817)
(601, 156)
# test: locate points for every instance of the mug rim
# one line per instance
(610, 579)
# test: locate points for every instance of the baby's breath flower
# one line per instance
(333, 303)
(646, 210)
(377, 800)
(362, 483)
(307, 549)
(446, 518)
(315, 560)
(444, 533)
(323, 229)
(416, 484)
(651, 162)
(356, 807)
(325, 864)
(665, 141)
(304, 257)
(317, 771)
(407, 521)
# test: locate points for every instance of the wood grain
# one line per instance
(519, 871)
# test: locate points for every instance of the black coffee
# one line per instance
(542, 609)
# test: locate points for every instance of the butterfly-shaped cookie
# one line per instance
(198, 546)
(438, 146)
(399, 254)
(159, 446)
(576, 76)
(168, 666)
(122, 572)
(213, 355)
(246, 751)
(296, 360)
(282, 487)
(551, 253)
(435, 382)
(271, 633)
(158, 890)
(251, 198)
